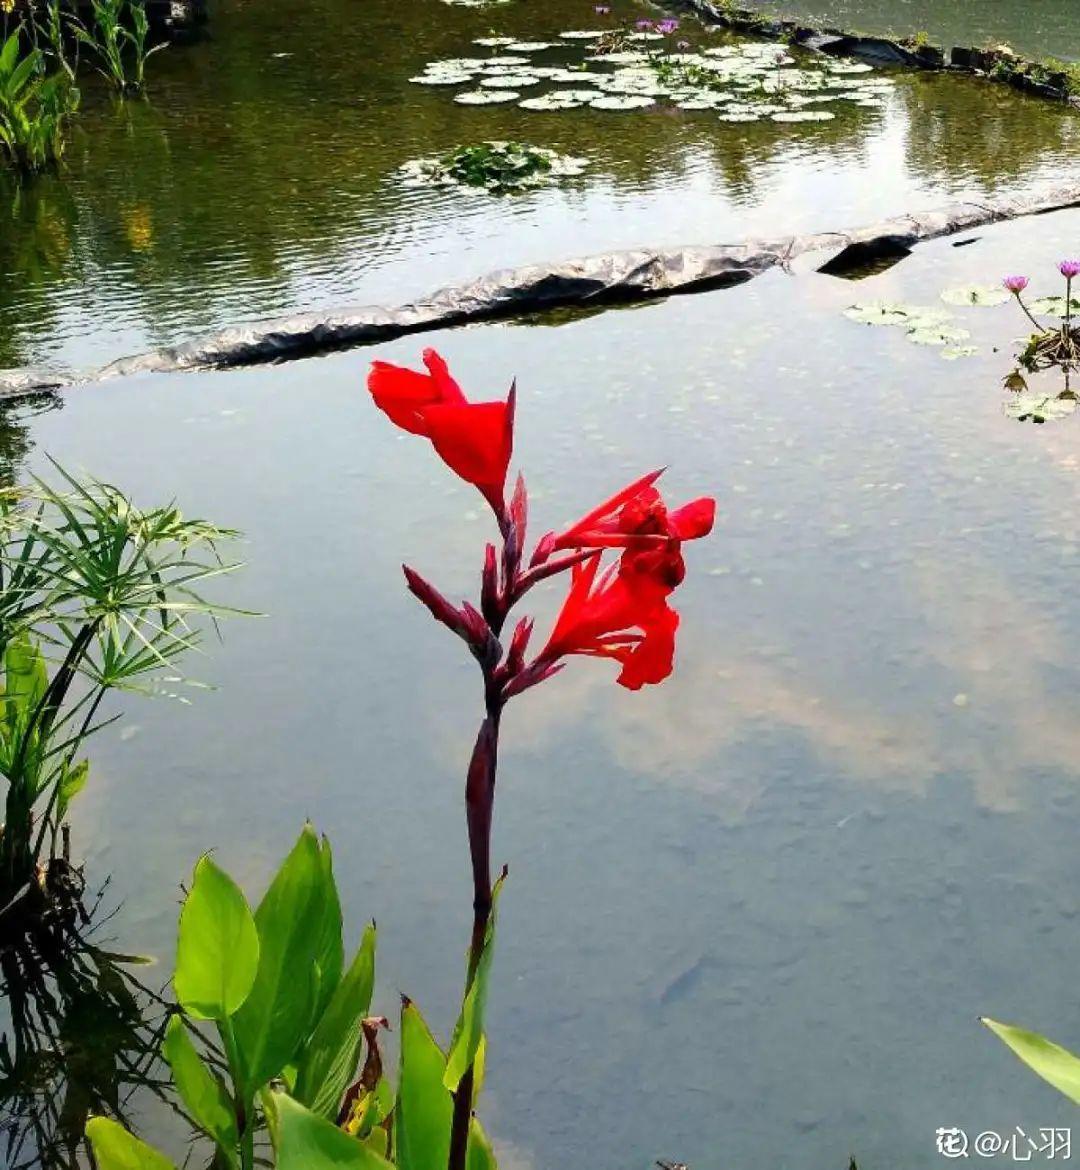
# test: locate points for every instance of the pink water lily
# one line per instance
(1016, 284)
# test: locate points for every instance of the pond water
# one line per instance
(1039, 27)
(261, 177)
(753, 913)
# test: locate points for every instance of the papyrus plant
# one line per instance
(96, 595)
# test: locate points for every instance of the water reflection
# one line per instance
(81, 1035)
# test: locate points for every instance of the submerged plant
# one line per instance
(34, 108)
(621, 611)
(499, 167)
(96, 595)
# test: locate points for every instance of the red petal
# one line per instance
(448, 390)
(401, 394)
(653, 659)
(473, 440)
(694, 519)
(607, 508)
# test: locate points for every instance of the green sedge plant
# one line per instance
(96, 595)
(301, 1081)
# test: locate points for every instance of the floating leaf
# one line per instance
(486, 97)
(952, 353)
(937, 335)
(622, 102)
(1054, 306)
(976, 295)
(885, 313)
(1039, 408)
(803, 116)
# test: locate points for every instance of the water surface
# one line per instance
(753, 913)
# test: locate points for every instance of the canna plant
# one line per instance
(621, 612)
(1056, 1065)
(34, 108)
(293, 1024)
(96, 595)
(120, 48)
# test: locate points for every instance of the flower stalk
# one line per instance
(622, 613)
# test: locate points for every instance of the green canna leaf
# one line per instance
(116, 1149)
(205, 1096)
(331, 1055)
(424, 1106)
(1055, 1065)
(308, 1142)
(217, 951)
(470, 1026)
(480, 1155)
(330, 949)
(279, 1013)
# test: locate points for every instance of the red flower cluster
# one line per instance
(620, 613)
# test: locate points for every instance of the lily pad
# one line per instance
(582, 34)
(937, 335)
(954, 352)
(510, 81)
(531, 46)
(1039, 408)
(803, 116)
(442, 79)
(888, 313)
(623, 102)
(493, 42)
(486, 97)
(1054, 306)
(976, 295)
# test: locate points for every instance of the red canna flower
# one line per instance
(623, 614)
(474, 439)
(637, 517)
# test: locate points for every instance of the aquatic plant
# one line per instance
(293, 1025)
(96, 595)
(621, 612)
(627, 68)
(34, 108)
(1049, 346)
(499, 167)
(121, 49)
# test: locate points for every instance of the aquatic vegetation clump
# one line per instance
(118, 39)
(1050, 345)
(34, 108)
(637, 66)
(922, 325)
(498, 167)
